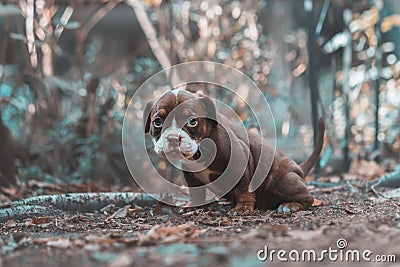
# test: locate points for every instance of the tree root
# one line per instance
(48, 205)
(23, 212)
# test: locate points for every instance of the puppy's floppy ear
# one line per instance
(146, 116)
(210, 109)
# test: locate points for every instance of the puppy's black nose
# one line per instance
(174, 138)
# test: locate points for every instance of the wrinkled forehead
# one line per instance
(180, 102)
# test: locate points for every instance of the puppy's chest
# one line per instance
(207, 175)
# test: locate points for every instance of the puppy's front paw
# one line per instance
(242, 207)
(289, 207)
(245, 202)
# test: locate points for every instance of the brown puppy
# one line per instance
(196, 119)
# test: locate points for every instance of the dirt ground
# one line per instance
(210, 236)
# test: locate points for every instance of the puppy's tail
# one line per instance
(312, 159)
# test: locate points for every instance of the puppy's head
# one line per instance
(178, 121)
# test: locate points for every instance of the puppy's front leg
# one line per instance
(196, 196)
(245, 200)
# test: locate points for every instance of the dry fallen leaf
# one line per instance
(59, 243)
(39, 220)
(99, 239)
(135, 209)
(251, 235)
(120, 213)
(317, 203)
(4, 199)
(350, 177)
(330, 179)
(123, 260)
(224, 222)
(79, 243)
(12, 190)
(11, 223)
(108, 209)
(159, 234)
(92, 247)
(309, 179)
(42, 240)
(34, 183)
(280, 228)
(306, 235)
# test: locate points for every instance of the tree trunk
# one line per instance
(7, 166)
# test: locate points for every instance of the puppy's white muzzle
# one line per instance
(175, 140)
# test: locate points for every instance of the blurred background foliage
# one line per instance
(69, 68)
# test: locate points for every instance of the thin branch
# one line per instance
(101, 13)
(152, 40)
(150, 33)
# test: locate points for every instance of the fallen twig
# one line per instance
(328, 189)
(343, 208)
(353, 188)
(391, 180)
(395, 193)
(325, 184)
(375, 192)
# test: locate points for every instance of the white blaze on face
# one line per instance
(176, 91)
(157, 146)
(187, 146)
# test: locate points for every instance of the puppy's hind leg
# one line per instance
(294, 193)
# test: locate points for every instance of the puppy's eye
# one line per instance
(192, 122)
(158, 122)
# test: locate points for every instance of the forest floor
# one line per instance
(209, 236)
